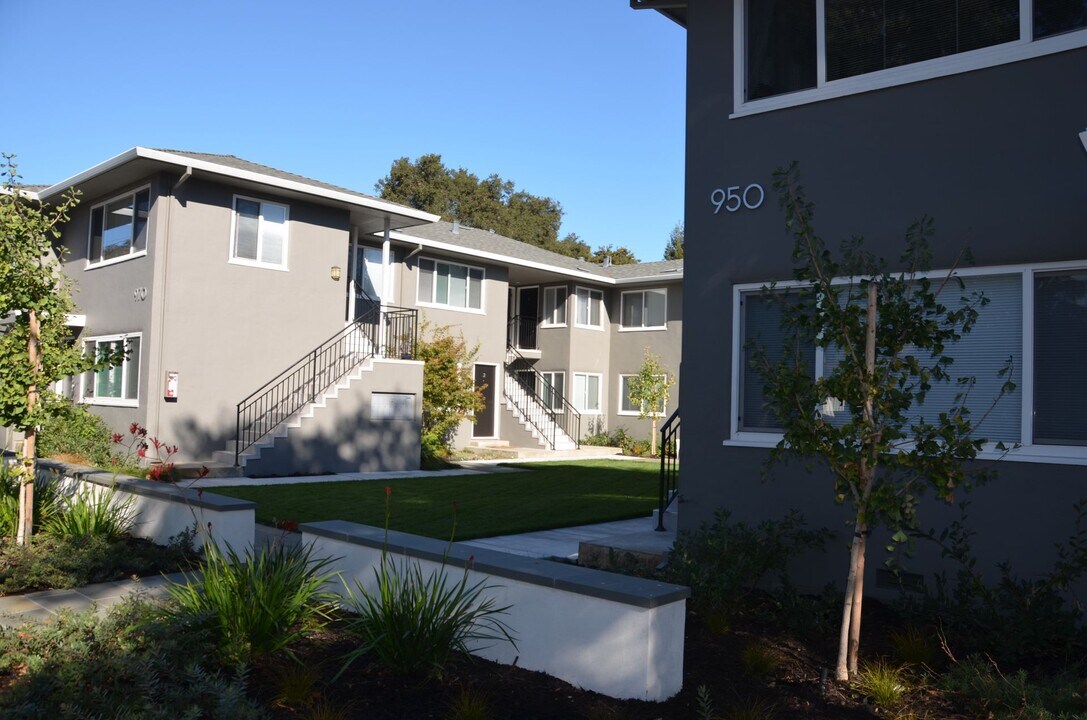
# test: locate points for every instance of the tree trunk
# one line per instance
(26, 487)
(653, 439)
(841, 671)
(861, 542)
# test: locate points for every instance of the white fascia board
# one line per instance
(497, 257)
(657, 278)
(239, 174)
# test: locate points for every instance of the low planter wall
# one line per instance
(616, 635)
(164, 510)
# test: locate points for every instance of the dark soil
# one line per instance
(796, 688)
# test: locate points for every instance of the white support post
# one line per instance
(352, 272)
(386, 281)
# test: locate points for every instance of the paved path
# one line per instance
(40, 606)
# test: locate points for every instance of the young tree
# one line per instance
(888, 333)
(674, 249)
(449, 392)
(648, 390)
(35, 300)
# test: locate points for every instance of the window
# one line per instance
(1060, 346)
(119, 228)
(450, 284)
(554, 306)
(552, 389)
(863, 42)
(644, 310)
(589, 304)
(626, 406)
(260, 233)
(117, 385)
(586, 397)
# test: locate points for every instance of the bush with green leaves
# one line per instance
(133, 663)
(979, 683)
(75, 431)
(45, 501)
(725, 562)
(66, 562)
(90, 511)
(256, 604)
(414, 621)
(618, 437)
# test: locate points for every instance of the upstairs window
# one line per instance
(644, 310)
(119, 228)
(589, 308)
(260, 233)
(788, 46)
(554, 306)
(450, 284)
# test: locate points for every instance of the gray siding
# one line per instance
(992, 155)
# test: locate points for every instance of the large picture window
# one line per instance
(778, 41)
(260, 233)
(119, 228)
(1060, 358)
(450, 284)
(761, 324)
(589, 308)
(119, 384)
(644, 310)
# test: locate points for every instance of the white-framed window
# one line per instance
(586, 395)
(118, 228)
(552, 389)
(119, 384)
(554, 306)
(590, 308)
(1037, 316)
(788, 52)
(259, 233)
(451, 285)
(644, 310)
(626, 405)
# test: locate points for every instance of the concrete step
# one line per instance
(216, 469)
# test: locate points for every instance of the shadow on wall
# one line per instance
(363, 446)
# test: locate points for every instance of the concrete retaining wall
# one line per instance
(164, 510)
(616, 635)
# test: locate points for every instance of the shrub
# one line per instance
(619, 438)
(758, 660)
(980, 683)
(913, 647)
(433, 452)
(66, 562)
(883, 682)
(413, 622)
(724, 562)
(469, 704)
(90, 512)
(77, 432)
(44, 501)
(132, 663)
(253, 605)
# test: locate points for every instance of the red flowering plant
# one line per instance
(132, 453)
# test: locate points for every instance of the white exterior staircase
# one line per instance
(543, 428)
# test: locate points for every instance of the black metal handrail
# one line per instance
(537, 409)
(669, 481)
(521, 332)
(376, 331)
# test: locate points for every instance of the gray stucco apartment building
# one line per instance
(279, 310)
(974, 115)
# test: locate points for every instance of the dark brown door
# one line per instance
(484, 427)
(528, 306)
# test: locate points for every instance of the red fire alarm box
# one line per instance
(171, 385)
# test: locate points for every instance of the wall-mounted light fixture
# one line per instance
(335, 272)
(1083, 139)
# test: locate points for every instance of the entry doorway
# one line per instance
(486, 377)
(528, 310)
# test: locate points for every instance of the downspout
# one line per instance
(164, 274)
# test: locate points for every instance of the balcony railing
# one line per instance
(522, 332)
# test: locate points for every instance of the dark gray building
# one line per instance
(975, 118)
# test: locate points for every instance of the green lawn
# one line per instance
(546, 495)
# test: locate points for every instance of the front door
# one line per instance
(485, 378)
(528, 307)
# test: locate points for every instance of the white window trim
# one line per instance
(628, 413)
(545, 321)
(284, 266)
(434, 287)
(576, 306)
(1026, 452)
(642, 328)
(91, 264)
(553, 373)
(576, 401)
(1024, 48)
(112, 402)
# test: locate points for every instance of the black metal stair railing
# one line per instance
(375, 331)
(521, 332)
(538, 401)
(669, 480)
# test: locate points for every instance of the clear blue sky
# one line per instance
(579, 100)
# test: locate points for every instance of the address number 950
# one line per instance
(731, 199)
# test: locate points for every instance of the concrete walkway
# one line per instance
(40, 606)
